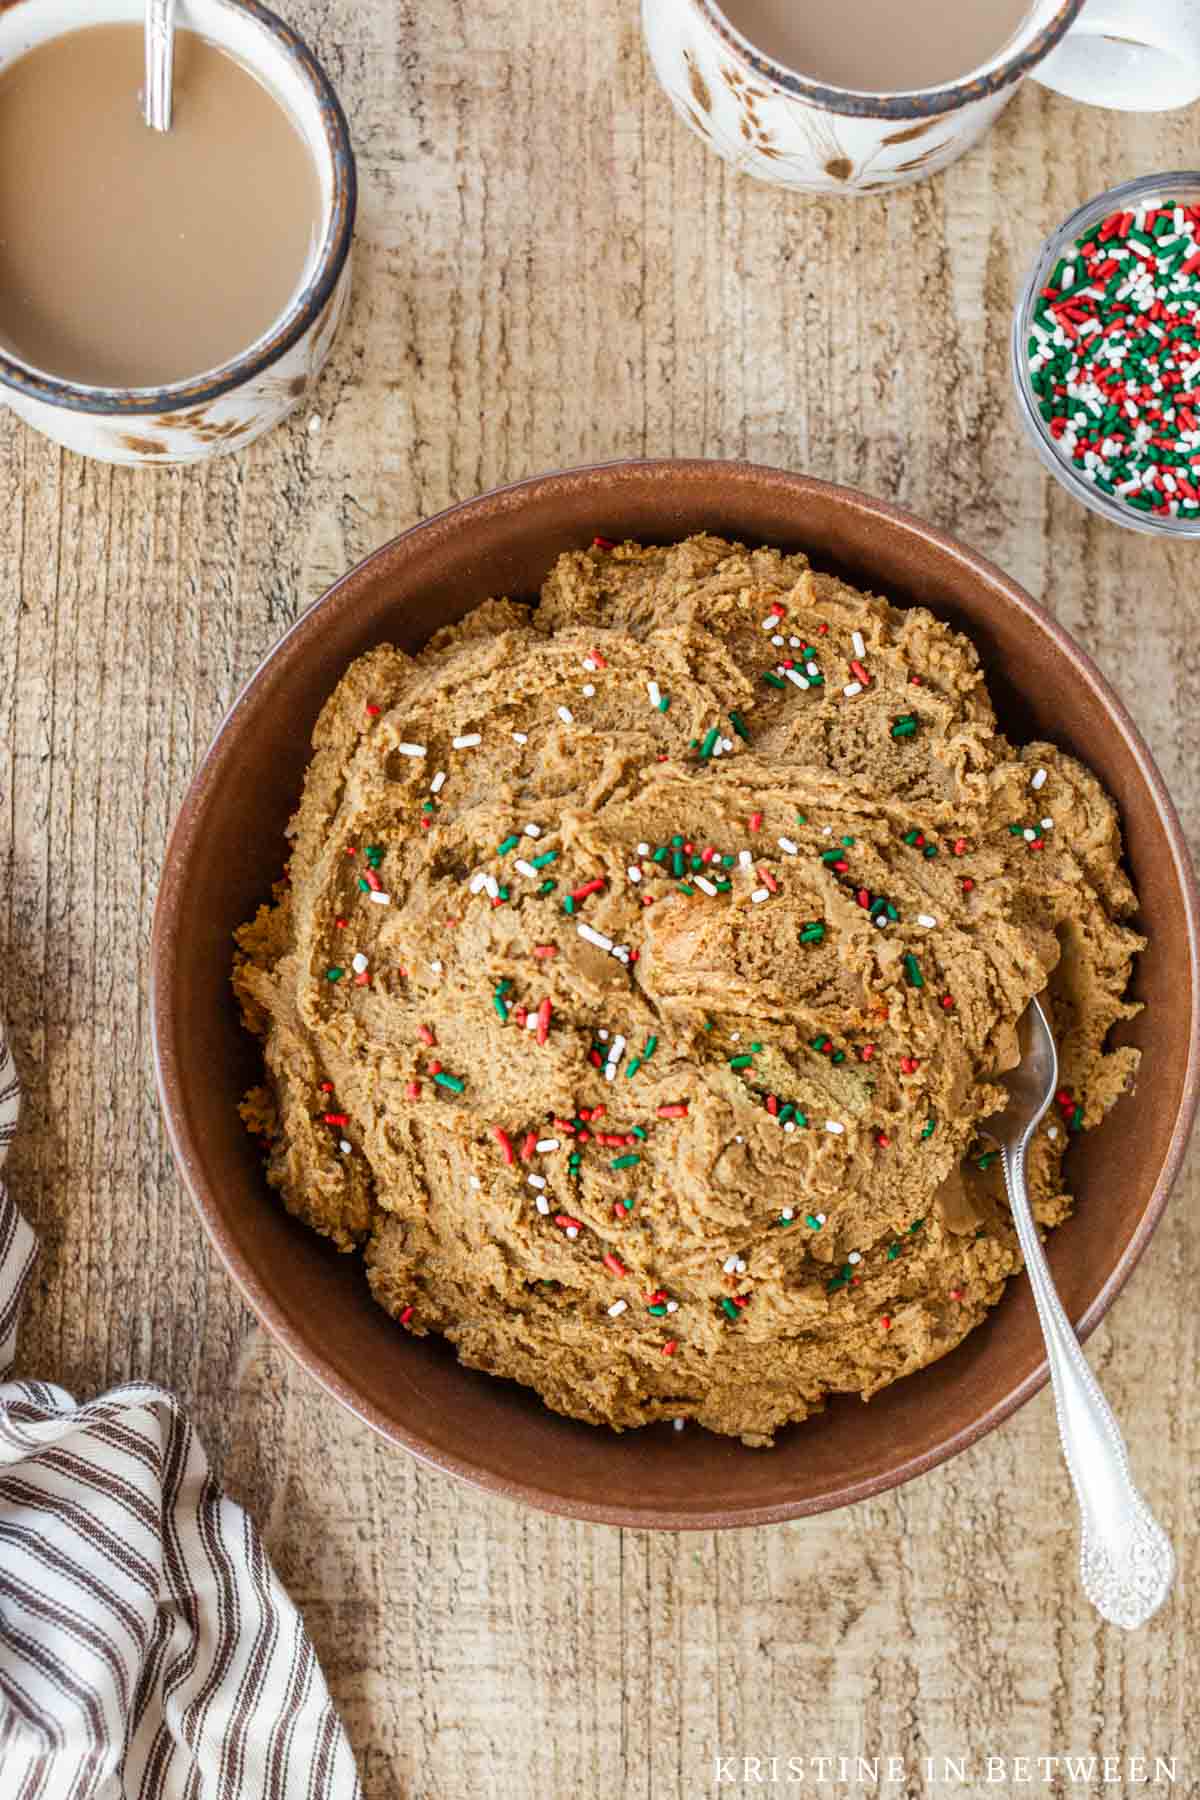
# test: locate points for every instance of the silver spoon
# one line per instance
(160, 59)
(1126, 1562)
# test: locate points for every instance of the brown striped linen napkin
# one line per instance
(147, 1649)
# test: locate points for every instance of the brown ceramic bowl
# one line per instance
(228, 847)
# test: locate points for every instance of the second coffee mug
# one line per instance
(801, 130)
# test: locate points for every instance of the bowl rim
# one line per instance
(185, 1148)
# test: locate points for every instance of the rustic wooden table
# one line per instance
(551, 270)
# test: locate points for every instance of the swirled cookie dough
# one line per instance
(648, 956)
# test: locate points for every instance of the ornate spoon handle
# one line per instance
(160, 57)
(1126, 1562)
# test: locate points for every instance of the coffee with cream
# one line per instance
(137, 258)
(879, 46)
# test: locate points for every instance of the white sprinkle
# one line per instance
(705, 886)
(621, 952)
(643, 849)
(795, 643)
(533, 831)
(531, 1021)
(617, 1308)
(616, 1049)
(730, 1264)
(1052, 1131)
(827, 831)
(592, 936)
(359, 964)
(679, 1424)
(572, 1231)
(860, 648)
(521, 737)
(1038, 778)
(536, 1181)
(855, 1256)
(672, 1306)
(410, 749)
(543, 1205)
(727, 743)
(633, 872)
(881, 920)
(1047, 824)
(603, 1036)
(745, 858)
(525, 867)
(436, 967)
(438, 782)
(566, 715)
(655, 693)
(787, 1213)
(819, 1217)
(741, 1266)
(588, 690)
(545, 1145)
(832, 1125)
(491, 887)
(344, 1146)
(1029, 834)
(789, 1125)
(759, 895)
(813, 668)
(777, 640)
(851, 688)
(468, 741)
(788, 847)
(591, 665)
(474, 1182)
(927, 920)
(771, 622)
(796, 678)
(380, 899)
(735, 1037)
(314, 424)
(478, 881)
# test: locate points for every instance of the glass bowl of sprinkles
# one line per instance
(1106, 354)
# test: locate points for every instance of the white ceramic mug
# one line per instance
(782, 126)
(226, 408)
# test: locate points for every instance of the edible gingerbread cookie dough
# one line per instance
(635, 998)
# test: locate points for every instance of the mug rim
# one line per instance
(303, 311)
(913, 103)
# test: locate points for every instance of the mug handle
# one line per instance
(1131, 55)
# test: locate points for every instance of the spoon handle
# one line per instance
(160, 58)
(1125, 1560)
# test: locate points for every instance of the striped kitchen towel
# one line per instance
(147, 1649)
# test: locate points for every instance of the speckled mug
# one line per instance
(226, 408)
(781, 126)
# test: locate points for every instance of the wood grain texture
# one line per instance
(551, 270)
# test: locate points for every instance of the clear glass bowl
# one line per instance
(1182, 187)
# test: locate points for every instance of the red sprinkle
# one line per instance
(614, 1264)
(670, 1347)
(564, 1221)
(859, 672)
(340, 923)
(335, 1118)
(425, 1033)
(545, 950)
(756, 821)
(529, 1146)
(768, 881)
(372, 709)
(867, 1052)
(543, 1024)
(407, 1314)
(772, 1104)
(413, 1090)
(883, 1140)
(677, 1110)
(948, 1002)
(589, 887)
(967, 885)
(505, 1142)
(956, 1293)
(603, 543)
(326, 1087)
(363, 980)
(959, 846)
(886, 1322)
(909, 1065)
(598, 660)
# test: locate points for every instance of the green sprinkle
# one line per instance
(775, 681)
(659, 1312)
(912, 969)
(639, 1132)
(728, 1308)
(893, 1252)
(1076, 1120)
(916, 1225)
(625, 1162)
(364, 885)
(905, 726)
(651, 1047)
(708, 1026)
(632, 1067)
(664, 703)
(929, 1127)
(544, 860)
(986, 1160)
(502, 893)
(453, 1082)
(831, 856)
(739, 726)
(334, 974)
(812, 933)
(501, 1007)
(548, 886)
(660, 856)
(849, 842)
(740, 1062)
(709, 744)
(802, 818)
(510, 843)
(568, 905)
(812, 1221)
(685, 889)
